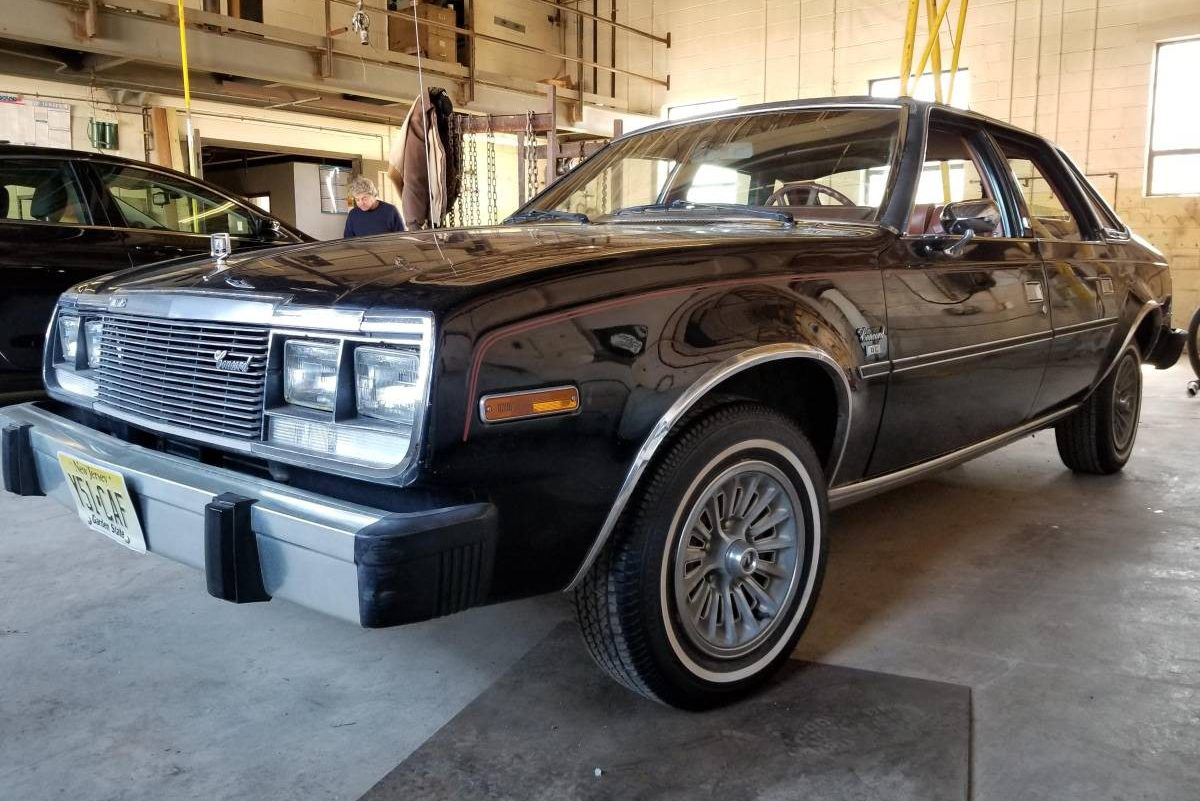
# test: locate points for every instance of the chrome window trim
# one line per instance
(690, 397)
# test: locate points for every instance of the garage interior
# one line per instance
(1004, 630)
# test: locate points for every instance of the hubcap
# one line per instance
(738, 559)
(1126, 400)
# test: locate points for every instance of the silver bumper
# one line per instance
(329, 555)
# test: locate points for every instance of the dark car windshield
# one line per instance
(814, 164)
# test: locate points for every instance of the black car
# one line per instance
(67, 216)
(649, 393)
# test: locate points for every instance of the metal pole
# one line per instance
(935, 42)
(932, 39)
(910, 40)
(552, 135)
(187, 90)
(958, 37)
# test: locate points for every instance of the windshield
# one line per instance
(814, 164)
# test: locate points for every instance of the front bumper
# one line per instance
(257, 539)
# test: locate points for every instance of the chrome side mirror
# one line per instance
(966, 219)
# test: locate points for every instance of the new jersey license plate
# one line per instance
(103, 501)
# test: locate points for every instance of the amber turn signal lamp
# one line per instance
(531, 403)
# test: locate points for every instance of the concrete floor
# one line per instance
(1070, 606)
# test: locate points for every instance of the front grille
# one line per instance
(168, 371)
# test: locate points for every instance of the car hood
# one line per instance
(434, 270)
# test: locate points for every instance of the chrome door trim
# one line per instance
(1085, 326)
(689, 398)
(861, 490)
(969, 351)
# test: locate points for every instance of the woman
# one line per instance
(370, 215)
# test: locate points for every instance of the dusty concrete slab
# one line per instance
(545, 728)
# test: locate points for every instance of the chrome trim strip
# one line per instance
(689, 398)
(875, 369)
(1087, 325)
(860, 490)
(968, 352)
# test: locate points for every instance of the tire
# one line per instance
(660, 613)
(1098, 437)
(1193, 343)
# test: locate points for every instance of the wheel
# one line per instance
(1193, 343)
(709, 580)
(1098, 437)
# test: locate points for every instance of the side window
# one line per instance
(950, 173)
(41, 190)
(1050, 214)
(1104, 212)
(149, 200)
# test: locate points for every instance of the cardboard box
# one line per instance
(438, 44)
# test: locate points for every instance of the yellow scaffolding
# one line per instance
(935, 14)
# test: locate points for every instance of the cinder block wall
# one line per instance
(1076, 71)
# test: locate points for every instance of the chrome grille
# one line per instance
(167, 371)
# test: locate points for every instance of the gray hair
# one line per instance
(362, 186)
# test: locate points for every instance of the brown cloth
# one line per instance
(417, 165)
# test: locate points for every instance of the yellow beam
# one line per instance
(910, 40)
(958, 37)
(941, 14)
(935, 41)
(187, 89)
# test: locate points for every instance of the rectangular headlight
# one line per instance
(93, 330)
(310, 373)
(387, 384)
(68, 337)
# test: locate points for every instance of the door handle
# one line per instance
(1033, 292)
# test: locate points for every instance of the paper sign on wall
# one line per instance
(29, 121)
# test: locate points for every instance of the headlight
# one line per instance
(386, 381)
(93, 330)
(310, 373)
(68, 337)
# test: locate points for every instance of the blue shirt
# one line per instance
(383, 219)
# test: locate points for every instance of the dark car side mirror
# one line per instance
(269, 231)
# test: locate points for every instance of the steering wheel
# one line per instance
(810, 189)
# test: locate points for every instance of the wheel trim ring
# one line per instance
(779, 590)
(814, 557)
(1125, 415)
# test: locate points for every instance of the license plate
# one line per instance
(103, 501)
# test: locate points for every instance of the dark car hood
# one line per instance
(435, 270)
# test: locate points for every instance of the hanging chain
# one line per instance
(531, 170)
(493, 215)
(604, 191)
(471, 204)
(455, 160)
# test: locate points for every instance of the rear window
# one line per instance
(41, 190)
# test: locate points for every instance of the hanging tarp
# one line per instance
(420, 166)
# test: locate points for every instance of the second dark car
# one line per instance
(67, 216)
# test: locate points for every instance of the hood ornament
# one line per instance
(219, 247)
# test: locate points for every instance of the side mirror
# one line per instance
(269, 231)
(963, 219)
(976, 216)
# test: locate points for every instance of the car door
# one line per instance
(53, 234)
(168, 216)
(968, 330)
(1079, 284)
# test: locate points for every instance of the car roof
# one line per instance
(11, 150)
(845, 102)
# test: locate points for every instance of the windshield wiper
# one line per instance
(717, 209)
(532, 215)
